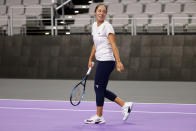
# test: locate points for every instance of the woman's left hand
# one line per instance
(119, 66)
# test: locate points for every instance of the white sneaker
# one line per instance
(126, 110)
(95, 120)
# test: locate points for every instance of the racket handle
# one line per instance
(89, 69)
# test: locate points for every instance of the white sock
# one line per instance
(124, 106)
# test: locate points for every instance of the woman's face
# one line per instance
(100, 13)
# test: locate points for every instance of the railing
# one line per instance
(47, 23)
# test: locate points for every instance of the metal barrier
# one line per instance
(47, 23)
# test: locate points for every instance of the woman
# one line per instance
(107, 55)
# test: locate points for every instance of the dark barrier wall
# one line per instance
(151, 57)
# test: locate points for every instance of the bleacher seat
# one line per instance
(190, 8)
(1, 2)
(192, 25)
(16, 10)
(184, 1)
(166, 1)
(111, 1)
(115, 8)
(47, 2)
(141, 21)
(159, 23)
(19, 20)
(3, 20)
(153, 8)
(119, 22)
(172, 8)
(128, 1)
(180, 22)
(81, 24)
(33, 10)
(3, 10)
(13, 2)
(135, 8)
(147, 1)
(30, 2)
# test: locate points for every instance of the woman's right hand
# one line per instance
(90, 65)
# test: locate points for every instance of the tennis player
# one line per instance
(107, 56)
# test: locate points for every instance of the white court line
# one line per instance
(89, 101)
(111, 111)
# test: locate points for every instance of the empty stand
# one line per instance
(13, 2)
(1, 2)
(185, 1)
(30, 2)
(172, 8)
(81, 24)
(16, 10)
(135, 8)
(153, 8)
(192, 25)
(166, 1)
(3, 10)
(128, 1)
(147, 1)
(141, 22)
(111, 1)
(119, 22)
(47, 2)
(3, 20)
(33, 10)
(159, 23)
(115, 8)
(179, 23)
(190, 8)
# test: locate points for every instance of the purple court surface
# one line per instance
(35, 115)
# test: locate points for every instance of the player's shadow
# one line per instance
(103, 127)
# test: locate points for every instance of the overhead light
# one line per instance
(67, 33)
(62, 22)
(47, 33)
(83, 6)
(90, 2)
(76, 11)
(54, 27)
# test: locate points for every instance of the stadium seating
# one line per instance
(119, 22)
(3, 10)
(115, 8)
(135, 8)
(190, 8)
(30, 2)
(128, 1)
(146, 15)
(82, 24)
(1, 2)
(153, 8)
(172, 8)
(192, 25)
(159, 23)
(13, 2)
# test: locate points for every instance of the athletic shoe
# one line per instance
(95, 120)
(126, 110)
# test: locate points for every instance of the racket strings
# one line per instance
(77, 94)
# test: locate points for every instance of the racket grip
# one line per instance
(89, 69)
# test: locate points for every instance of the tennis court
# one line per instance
(23, 115)
(43, 105)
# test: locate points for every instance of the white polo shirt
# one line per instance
(100, 37)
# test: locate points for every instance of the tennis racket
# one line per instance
(78, 91)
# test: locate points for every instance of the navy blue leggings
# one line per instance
(103, 71)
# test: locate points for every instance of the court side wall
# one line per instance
(145, 57)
